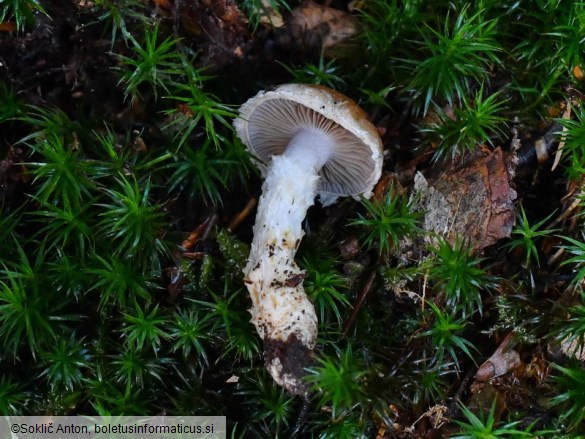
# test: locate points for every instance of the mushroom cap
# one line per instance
(268, 121)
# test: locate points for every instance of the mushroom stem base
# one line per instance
(286, 362)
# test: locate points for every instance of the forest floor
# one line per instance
(450, 304)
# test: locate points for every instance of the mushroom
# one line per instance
(308, 140)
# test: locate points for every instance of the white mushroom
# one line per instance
(309, 140)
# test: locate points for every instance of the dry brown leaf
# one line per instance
(573, 348)
(218, 28)
(270, 16)
(8, 26)
(504, 360)
(321, 26)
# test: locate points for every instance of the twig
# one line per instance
(566, 213)
(209, 227)
(424, 294)
(452, 408)
(555, 257)
(360, 300)
(242, 215)
(199, 234)
(566, 115)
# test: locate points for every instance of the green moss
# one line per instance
(21, 11)
(106, 170)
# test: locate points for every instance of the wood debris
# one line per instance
(473, 200)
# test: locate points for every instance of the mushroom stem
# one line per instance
(310, 148)
(282, 313)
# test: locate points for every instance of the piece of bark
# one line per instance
(474, 201)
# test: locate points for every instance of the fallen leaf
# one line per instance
(8, 26)
(218, 28)
(270, 16)
(177, 280)
(573, 348)
(538, 368)
(321, 26)
(504, 360)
